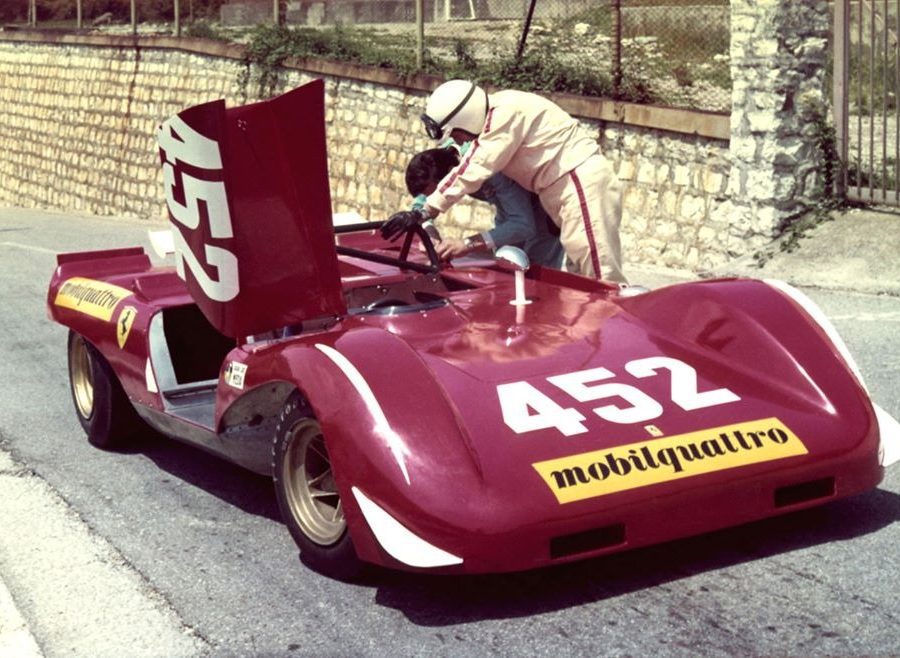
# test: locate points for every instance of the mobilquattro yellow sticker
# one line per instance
(635, 465)
(91, 297)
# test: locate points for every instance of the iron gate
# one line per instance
(867, 98)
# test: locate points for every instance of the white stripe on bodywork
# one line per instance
(382, 426)
(401, 543)
(162, 241)
(890, 436)
(150, 379)
(888, 427)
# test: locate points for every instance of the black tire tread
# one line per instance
(113, 422)
(338, 560)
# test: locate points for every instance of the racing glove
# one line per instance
(401, 222)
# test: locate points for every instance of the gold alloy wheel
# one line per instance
(81, 377)
(309, 484)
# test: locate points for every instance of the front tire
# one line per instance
(102, 407)
(308, 496)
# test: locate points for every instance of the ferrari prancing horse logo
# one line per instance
(123, 324)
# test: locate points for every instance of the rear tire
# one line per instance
(102, 407)
(307, 494)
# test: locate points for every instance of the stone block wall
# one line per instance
(672, 184)
(77, 130)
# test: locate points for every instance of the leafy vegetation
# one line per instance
(270, 45)
(205, 30)
(540, 69)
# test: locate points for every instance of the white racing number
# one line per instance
(179, 143)
(684, 382)
(526, 409)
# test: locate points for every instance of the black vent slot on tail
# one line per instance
(584, 542)
(804, 492)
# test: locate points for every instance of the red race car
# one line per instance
(476, 417)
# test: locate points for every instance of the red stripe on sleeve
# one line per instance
(487, 121)
(461, 168)
(588, 228)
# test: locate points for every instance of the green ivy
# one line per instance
(204, 30)
(270, 45)
(826, 201)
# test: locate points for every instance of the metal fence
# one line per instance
(664, 52)
(866, 90)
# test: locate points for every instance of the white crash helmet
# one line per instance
(455, 104)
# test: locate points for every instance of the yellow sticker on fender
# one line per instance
(635, 465)
(91, 297)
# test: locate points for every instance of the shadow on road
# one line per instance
(232, 484)
(430, 600)
(440, 601)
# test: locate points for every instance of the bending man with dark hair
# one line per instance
(520, 220)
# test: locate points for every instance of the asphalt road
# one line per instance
(200, 540)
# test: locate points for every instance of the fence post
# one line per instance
(617, 47)
(840, 88)
(32, 13)
(79, 15)
(525, 29)
(177, 9)
(420, 34)
(275, 11)
(134, 16)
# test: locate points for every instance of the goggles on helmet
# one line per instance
(435, 129)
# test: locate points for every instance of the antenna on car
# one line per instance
(517, 260)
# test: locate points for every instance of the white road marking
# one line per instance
(28, 247)
(889, 316)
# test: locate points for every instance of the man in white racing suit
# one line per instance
(539, 146)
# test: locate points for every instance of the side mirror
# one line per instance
(512, 258)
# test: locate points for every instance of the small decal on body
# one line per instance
(123, 324)
(235, 373)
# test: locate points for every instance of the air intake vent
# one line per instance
(584, 542)
(804, 492)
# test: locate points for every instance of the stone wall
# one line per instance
(80, 113)
(779, 49)
(77, 127)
